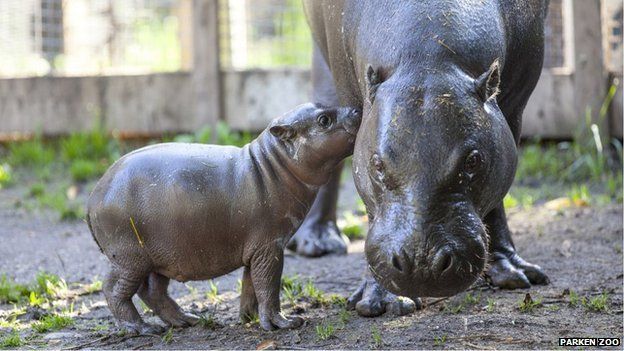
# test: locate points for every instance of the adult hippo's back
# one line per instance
(442, 85)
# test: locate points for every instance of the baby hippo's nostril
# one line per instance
(442, 261)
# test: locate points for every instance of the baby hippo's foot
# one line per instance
(140, 328)
(278, 321)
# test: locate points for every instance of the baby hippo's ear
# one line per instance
(283, 132)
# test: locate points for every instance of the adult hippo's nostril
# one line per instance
(442, 261)
(402, 261)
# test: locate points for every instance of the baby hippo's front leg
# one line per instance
(266, 273)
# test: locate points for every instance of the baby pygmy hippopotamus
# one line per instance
(195, 212)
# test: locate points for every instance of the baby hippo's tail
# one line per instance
(92, 233)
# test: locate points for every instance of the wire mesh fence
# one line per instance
(92, 37)
(88, 37)
(264, 34)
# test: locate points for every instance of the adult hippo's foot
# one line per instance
(371, 300)
(314, 239)
(507, 269)
(319, 235)
(510, 271)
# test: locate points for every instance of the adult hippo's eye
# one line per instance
(324, 120)
(473, 162)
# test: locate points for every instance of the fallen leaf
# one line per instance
(267, 345)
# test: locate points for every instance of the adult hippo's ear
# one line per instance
(487, 84)
(283, 132)
(373, 80)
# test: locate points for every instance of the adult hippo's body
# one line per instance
(442, 85)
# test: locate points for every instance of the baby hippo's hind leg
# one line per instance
(248, 301)
(119, 288)
(154, 293)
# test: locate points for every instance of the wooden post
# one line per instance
(589, 73)
(206, 77)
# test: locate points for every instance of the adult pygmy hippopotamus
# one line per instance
(442, 85)
(194, 212)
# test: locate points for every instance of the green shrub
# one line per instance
(82, 170)
(31, 153)
(5, 175)
(94, 145)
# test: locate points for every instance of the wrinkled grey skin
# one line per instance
(442, 85)
(201, 211)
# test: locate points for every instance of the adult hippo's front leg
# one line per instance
(507, 269)
(319, 235)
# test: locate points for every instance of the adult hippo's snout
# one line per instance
(426, 257)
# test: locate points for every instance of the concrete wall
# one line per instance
(251, 99)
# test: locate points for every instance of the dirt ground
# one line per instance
(580, 249)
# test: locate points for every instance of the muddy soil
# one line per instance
(580, 249)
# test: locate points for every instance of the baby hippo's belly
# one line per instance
(171, 215)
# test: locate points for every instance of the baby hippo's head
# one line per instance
(316, 139)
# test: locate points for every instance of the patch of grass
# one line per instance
(226, 136)
(213, 293)
(338, 300)
(82, 170)
(315, 295)
(352, 226)
(291, 288)
(598, 303)
(93, 145)
(12, 292)
(35, 300)
(439, 340)
(574, 298)
(13, 339)
(32, 153)
(325, 330)
(5, 175)
(58, 201)
(528, 305)
(52, 322)
(376, 340)
(344, 316)
(208, 322)
(491, 303)
(167, 338)
(469, 300)
(37, 190)
(94, 286)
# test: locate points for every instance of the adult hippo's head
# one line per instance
(433, 156)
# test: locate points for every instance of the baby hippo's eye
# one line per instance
(473, 162)
(324, 120)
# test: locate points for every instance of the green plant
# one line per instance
(376, 339)
(5, 175)
(31, 153)
(579, 194)
(208, 322)
(528, 305)
(83, 170)
(225, 136)
(94, 286)
(574, 298)
(344, 316)
(52, 322)
(491, 303)
(213, 292)
(13, 339)
(291, 288)
(167, 338)
(94, 145)
(37, 190)
(439, 340)
(325, 330)
(597, 303)
(314, 294)
(351, 226)
(11, 292)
